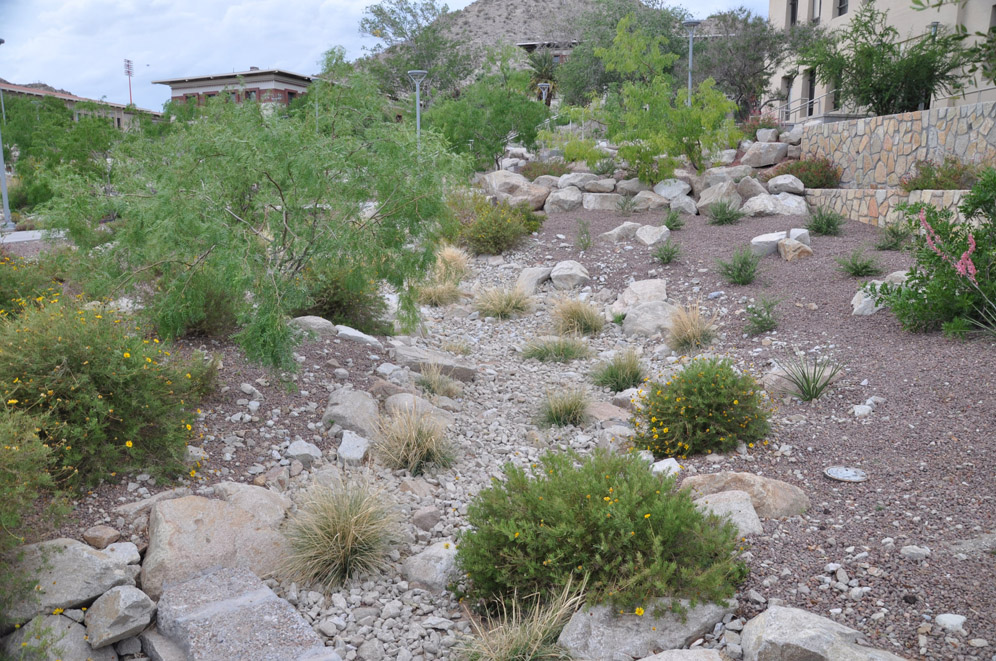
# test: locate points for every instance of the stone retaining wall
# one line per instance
(878, 206)
(876, 152)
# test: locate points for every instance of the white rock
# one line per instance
(631, 187)
(623, 232)
(723, 192)
(569, 274)
(763, 154)
(767, 244)
(951, 622)
(600, 186)
(650, 235)
(767, 135)
(648, 319)
(354, 410)
(433, 568)
(736, 505)
(792, 633)
(531, 278)
(303, 451)
(672, 188)
(861, 411)
(353, 448)
(353, 335)
(684, 204)
(577, 179)
(119, 613)
(316, 325)
(669, 466)
(648, 201)
(601, 201)
(563, 199)
(786, 183)
(126, 552)
(915, 553)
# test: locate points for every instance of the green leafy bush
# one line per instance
(812, 172)
(706, 407)
(24, 477)
(634, 535)
(742, 267)
(112, 400)
(667, 252)
(343, 297)
(952, 174)
(534, 169)
(495, 228)
(576, 149)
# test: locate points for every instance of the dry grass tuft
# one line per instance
(622, 372)
(690, 329)
(503, 303)
(340, 531)
(573, 317)
(433, 381)
(452, 263)
(413, 441)
(556, 350)
(567, 407)
(438, 293)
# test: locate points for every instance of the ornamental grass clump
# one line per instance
(858, 265)
(634, 535)
(573, 317)
(724, 213)
(556, 350)
(412, 440)
(565, 407)
(434, 382)
(826, 222)
(340, 531)
(690, 329)
(503, 303)
(108, 397)
(706, 407)
(621, 372)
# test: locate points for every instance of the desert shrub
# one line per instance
(534, 169)
(858, 265)
(340, 531)
(825, 222)
(23, 284)
(952, 174)
(343, 297)
(604, 167)
(24, 476)
(582, 240)
(673, 220)
(576, 149)
(438, 293)
(113, 399)
(432, 380)
(809, 379)
(754, 122)
(574, 317)
(742, 267)
(633, 533)
(556, 350)
(621, 372)
(412, 440)
(893, 237)
(724, 213)
(812, 172)
(761, 316)
(495, 228)
(502, 303)
(565, 407)
(667, 252)
(938, 288)
(706, 407)
(690, 329)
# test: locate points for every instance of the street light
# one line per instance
(417, 76)
(8, 223)
(690, 25)
(544, 88)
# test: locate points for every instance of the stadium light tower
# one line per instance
(129, 71)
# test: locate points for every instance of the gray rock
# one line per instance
(669, 466)
(531, 278)
(792, 634)
(569, 274)
(767, 244)
(749, 187)
(129, 646)
(416, 358)
(767, 135)
(793, 137)
(623, 232)
(504, 182)
(641, 291)
(426, 518)
(792, 205)
(863, 304)
(786, 183)
(724, 192)
(130, 511)
(650, 235)
(53, 637)
(533, 196)
(771, 498)
(726, 156)
(763, 154)
(100, 536)
(672, 188)
(631, 187)
(433, 568)
(232, 614)
(354, 410)
(600, 186)
(648, 201)
(601, 201)
(737, 506)
(353, 335)
(684, 204)
(125, 552)
(404, 402)
(305, 452)
(562, 200)
(686, 655)
(68, 574)
(119, 613)
(353, 448)
(547, 181)
(648, 319)
(720, 175)
(316, 325)
(577, 179)
(601, 634)
(915, 553)
(951, 622)
(158, 647)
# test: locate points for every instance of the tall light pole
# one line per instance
(690, 25)
(8, 222)
(417, 76)
(129, 70)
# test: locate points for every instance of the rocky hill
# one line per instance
(486, 22)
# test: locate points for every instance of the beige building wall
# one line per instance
(807, 99)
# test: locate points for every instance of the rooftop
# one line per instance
(235, 74)
(36, 91)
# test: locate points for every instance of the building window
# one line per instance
(810, 92)
(250, 95)
(793, 8)
(119, 122)
(841, 7)
(815, 11)
(291, 96)
(190, 97)
(233, 97)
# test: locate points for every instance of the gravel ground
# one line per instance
(926, 447)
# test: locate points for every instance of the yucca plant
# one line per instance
(809, 379)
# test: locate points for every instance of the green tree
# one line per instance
(412, 36)
(543, 70)
(239, 209)
(981, 49)
(491, 112)
(871, 66)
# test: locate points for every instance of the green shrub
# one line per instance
(742, 267)
(706, 407)
(893, 237)
(534, 169)
(495, 228)
(574, 317)
(761, 316)
(344, 297)
(673, 220)
(724, 213)
(23, 284)
(112, 399)
(563, 408)
(634, 535)
(605, 166)
(825, 222)
(858, 265)
(338, 532)
(667, 252)
(576, 149)
(583, 240)
(812, 172)
(626, 205)
(556, 350)
(952, 174)
(24, 477)
(621, 372)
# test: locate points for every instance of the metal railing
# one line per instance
(804, 109)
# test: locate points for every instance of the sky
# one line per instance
(80, 45)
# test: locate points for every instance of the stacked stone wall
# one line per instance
(879, 206)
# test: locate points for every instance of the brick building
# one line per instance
(120, 116)
(262, 85)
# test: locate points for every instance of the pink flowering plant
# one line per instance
(952, 283)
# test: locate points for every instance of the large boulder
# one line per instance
(433, 568)
(531, 278)
(641, 291)
(416, 359)
(119, 613)
(577, 179)
(651, 235)
(684, 204)
(232, 614)
(771, 498)
(763, 154)
(503, 182)
(648, 201)
(562, 200)
(766, 244)
(353, 335)
(792, 205)
(547, 181)
(735, 505)
(569, 274)
(767, 135)
(672, 188)
(68, 574)
(648, 319)
(623, 232)
(53, 637)
(355, 410)
(601, 201)
(749, 187)
(724, 192)
(190, 535)
(532, 195)
(631, 187)
(720, 175)
(793, 137)
(792, 634)
(316, 325)
(786, 183)
(783, 204)
(602, 634)
(600, 186)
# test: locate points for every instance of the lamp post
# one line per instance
(690, 25)
(544, 88)
(8, 223)
(417, 76)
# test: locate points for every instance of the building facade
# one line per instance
(121, 117)
(804, 99)
(262, 85)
